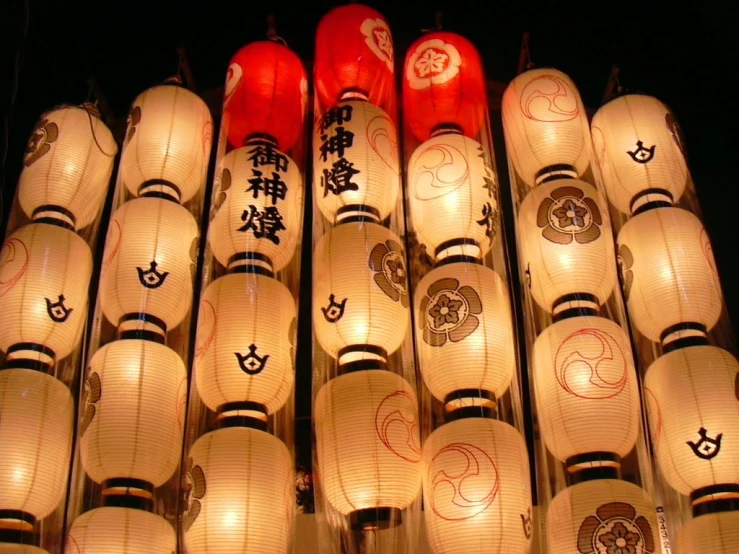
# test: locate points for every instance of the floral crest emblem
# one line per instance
(433, 62)
(193, 491)
(379, 39)
(625, 261)
(90, 397)
(387, 260)
(567, 215)
(448, 312)
(43, 135)
(615, 529)
(134, 118)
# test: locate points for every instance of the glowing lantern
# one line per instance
(120, 530)
(266, 93)
(443, 86)
(715, 533)
(10, 548)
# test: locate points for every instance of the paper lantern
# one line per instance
(715, 533)
(240, 489)
(477, 489)
(465, 340)
(369, 451)
(360, 294)
(668, 274)
(354, 56)
(67, 166)
(10, 548)
(167, 144)
(266, 91)
(692, 401)
(244, 343)
(443, 86)
(546, 126)
(36, 418)
(453, 196)
(258, 206)
(45, 272)
(566, 245)
(120, 530)
(149, 263)
(606, 515)
(639, 149)
(584, 372)
(133, 412)
(355, 162)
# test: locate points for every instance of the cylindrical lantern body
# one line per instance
(121, 531)
(452, 196)
(67, 165)
(240, 493)
(10, 548)
(367, 441)
(133, 412)
(477, 489)
(639, 150)
(602, 517)
(259, 205)
(355, 157)
(668, 272)
(715, 533)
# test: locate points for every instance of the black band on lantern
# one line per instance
(453, 243)
(467, 403)
(715, 499)
(361, 357)
(12, 361)
(683, 335)
(52, 214)
(554, 172)
(354, 94)
(14, 535)
(156, 332)
(54, 221)
(260, 139)
(17, 520)
(664, 199)
(160, 188)
(575, 305)
(242, 414)
(373, 519)
(593, 466)
(250, 262)
(458, 259)
(357, 213)
(125, 492)
(446, 129)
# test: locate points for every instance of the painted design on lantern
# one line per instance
(432, 62)
(194, 256)
(655, 416)
(591, 365)
(44, 134)
(72, 547)
(193, 491)
(233, 80)
(379, 39)
(383, 139)
(568, 214)
(292, 338)
(90, 397)
(443, 169)
(467, 484)
(599, 143)
(708, 250)
(526, 522)
(182, 403)
(448, 312)
(207, 320)
(252, 363)
(641, 154)
(397, 426)
(14, 260)
(674, 128)
(112, 245)
(133, 119)
(615, 529)
(58, 312)
(489, 220)
(549, 99)
(528, 275)
(387, 260)
(222, 185)
(707, 447)
(207, 137)
(335, 310)
(338, 179)
(625, 260)
(152, 278)
(490, 185)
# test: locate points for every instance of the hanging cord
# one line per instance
(272, 31)
(437, 24)
(524, 58)
(93, 111)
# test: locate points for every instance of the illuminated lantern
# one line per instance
(148, 265)
(259, 207)
(668, 274)
(360, 295)
(566, 246)
(368, 444)
(44, 276)
(10, 548)
(584, 372)
(120, 530)
(67, 166)
(639, 149)
(443, 86)
(605, 515)
(354, 56)
(356, 166)
(133, 414)
(692, 400)
(715, 533)
(240, 493)
(167, 145)
(36, 423)
(477, 489)
(453, 196)
(244, 344)
(266, 91)
(465, 340)
(545, 125)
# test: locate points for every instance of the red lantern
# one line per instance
(266, 92)
(354, 56)
(444, 85)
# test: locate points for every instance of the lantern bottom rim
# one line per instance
(592, 466)
(16, 521)
(30, 355)
(373, 519)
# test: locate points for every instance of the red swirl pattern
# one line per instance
(13, 264)
(653, 409)
(112, 245)
(397, 426)
(443, 169)
(206, 328)
(382, 140)
(549, 99)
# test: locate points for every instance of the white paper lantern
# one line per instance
(67, 166)
(668, 273)
(149, 262)
(167, 144)
(545, 125)
(367, 440)
(360, 294)
(244, 349)
(10, 548)
(133, 412)
(639, 150)
(692, 401)
(566, 244)
(602, 516)
(113, 530)
(715, 533)
(240, 488)
(258, 205)
(477, 489)
(465, 330)
(44, 277)
(36, 424)
(355, 161)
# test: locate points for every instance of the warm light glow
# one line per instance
(10, 548)
(715, 533)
